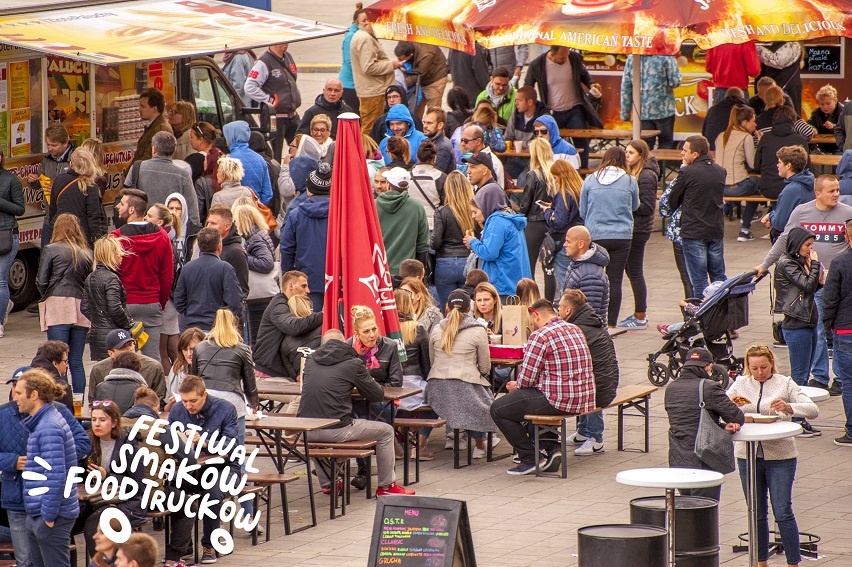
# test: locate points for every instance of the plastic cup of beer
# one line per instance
(508, 145)
(78, 405)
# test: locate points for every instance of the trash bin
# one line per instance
(696, 526)
(624, 545)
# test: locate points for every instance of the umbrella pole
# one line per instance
(637, 96)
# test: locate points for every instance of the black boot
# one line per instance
(359, 482)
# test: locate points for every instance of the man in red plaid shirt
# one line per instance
(554, 378)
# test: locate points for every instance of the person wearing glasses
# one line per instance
(181, 118)
(52, 357)
(108, 439)
(545, 127)
(317, 143)
(472, 142)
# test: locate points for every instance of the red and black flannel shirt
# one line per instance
(557, 363)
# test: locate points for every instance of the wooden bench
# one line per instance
(636, 396)
(344, 456)
(258, 491)
(267, 481)
(9, 549)
(406, 424)
(747, 199)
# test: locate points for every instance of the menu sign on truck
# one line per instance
(416, 531)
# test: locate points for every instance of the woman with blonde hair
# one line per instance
(64, 266)
(104, 301)
(562, 214)
(76, 192)
(424, 311)
(301, 307)
(230, 175)
(260, 253)
(451, 223)
(486, 118)
(456, 388)
(183, 361)
(181, 119)
(539, 188)
(317, 143)
(486, 306)
(95, 146)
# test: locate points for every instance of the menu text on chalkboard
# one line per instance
(421, 532)
(823, 60)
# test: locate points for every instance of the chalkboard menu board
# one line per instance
(823, 60)
(415, 531)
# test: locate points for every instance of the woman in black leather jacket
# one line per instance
(451, 222)
(65, 263)
(797, 278)
(104, 299)
(539, 188)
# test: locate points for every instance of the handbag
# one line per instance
(6, 235)
(262, 286)
(777, 332)
(713, 445)
(547, 253)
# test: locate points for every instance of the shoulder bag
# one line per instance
(713, 445)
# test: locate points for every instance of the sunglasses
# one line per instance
(102, 403)
(466, 141)
(541, 132)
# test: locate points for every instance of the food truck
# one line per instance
(84, 63)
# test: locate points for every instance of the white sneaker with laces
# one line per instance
(479, 453)
(589, 447)
(462, 443)
(576, 438)
(2, 331)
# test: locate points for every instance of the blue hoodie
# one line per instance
(844, 172)
(559, 145)
(303, 241)
(799, 190)
(237, 135)
(414, 136)
(607, 201)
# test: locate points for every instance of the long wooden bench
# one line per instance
(267, 481)
(336, 457)
(406, 424)
(637, 396)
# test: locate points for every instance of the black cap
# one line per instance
(698, 357)
(459, 299)
(17, 374)
(117, 338)
(319, 180)
(480, 158)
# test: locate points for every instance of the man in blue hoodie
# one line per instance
(545, 127)
(13, 458)
(50, 514)
(792, 161)
(400, 123)
(237, 136)
(304, 237)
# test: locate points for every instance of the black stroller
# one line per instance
(724, 311)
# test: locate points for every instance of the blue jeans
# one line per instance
(819, 366)
(801, 344)
(6, 261)
(560, 271)
(843, 368)
(449, 276)
(20, 537)
(666, 128)
(49, 547)
(744, 188)
(575, 118)
(75, 338)
(703, 257)
(775, 478)
(248, 506)
(591, 425)
(719, 95)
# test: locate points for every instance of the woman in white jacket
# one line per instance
(762, 390)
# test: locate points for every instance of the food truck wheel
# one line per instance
(22, 279)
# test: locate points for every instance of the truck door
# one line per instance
(214, 102)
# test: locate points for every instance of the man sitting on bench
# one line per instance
(554, 378)
(330, 374)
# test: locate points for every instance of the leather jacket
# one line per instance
(105, 305)
(226, 369)
(58, 273)
(795, 287)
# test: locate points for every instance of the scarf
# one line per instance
(368, 354)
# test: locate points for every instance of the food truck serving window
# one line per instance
(21, 121)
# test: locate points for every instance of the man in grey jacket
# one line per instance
(122, 381)
(160, 176)
(119, 341)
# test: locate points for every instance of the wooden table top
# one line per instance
(293, 389)
(605, 134)
(294, 424)
(825, 159)
(507, 361)
(668, 155)
(823, 139)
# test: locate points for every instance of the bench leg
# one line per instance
(285, 508)
(564, 439)
(370, 492)
(489, 453)
(333, 499)
(346, 468)
(647, 413)
(406, 446)
(416, 456)
(537, 450)
(456, 449)
(621, 427)
(470, 444)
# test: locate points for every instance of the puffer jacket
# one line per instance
(389, 372)
(470, 360)
(276, 324)
(684, 414)
(132, 506)
(649, 179)
(794, 287)
(13, 444)
(761, 395)
(259, 251)
(587, 274)
(604, 360)
(232, 369)
(59, 275)
(105, 305)
(51, 439)
(120, 386)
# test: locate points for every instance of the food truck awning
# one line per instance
(130, 31)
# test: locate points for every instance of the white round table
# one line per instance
(670, 479)
(815, 394)
(753, 434)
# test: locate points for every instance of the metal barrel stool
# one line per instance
(624, 545)
(696, 526)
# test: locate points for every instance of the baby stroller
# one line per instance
(724, 311)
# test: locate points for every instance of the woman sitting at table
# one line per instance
(180, 369)
(456, 388)
(486, 306)
(381, 356)
(735, 151)
(108, 438)
(105, 548)
(424, 311)
(762, 390)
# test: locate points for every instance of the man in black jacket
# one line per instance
(207, 284)
(433, 127)
(719, 114)
(837, 318)
(277, 322)
(575, 309)
(330, 374)
(682, 398)
(329, 102)
(221, 218)
(699, 189)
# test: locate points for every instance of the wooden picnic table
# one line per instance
(294, 389)
(823, 139)
(601, 134)
(823, 160)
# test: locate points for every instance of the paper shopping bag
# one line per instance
(515, 323)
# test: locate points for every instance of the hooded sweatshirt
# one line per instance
(782, 134)
(799, 189)
(184, 214)
(237, 135)
(607, 202)
(304, 238)
(405, 229)
(147, 273)
(502, 245)
(396, 113)
(561, 148)
(504, 104)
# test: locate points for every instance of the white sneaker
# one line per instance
(495, 441)
(2, 331)
(589, 447)
(576, 438)
(462, 443)
(479, 453)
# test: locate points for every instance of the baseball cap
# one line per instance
(459, 299)
(117, 338)
(398, 177)
(17, 374)
(480, 158)
(698, 357)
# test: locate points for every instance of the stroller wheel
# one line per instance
(658, 374)
(720, 374)
(674, 368)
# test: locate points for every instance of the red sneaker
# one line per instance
(394, 488)
(327, 489)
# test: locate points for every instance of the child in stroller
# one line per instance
(689, 310)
